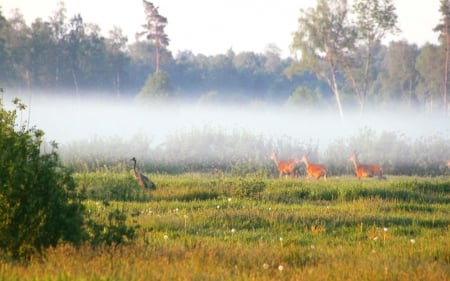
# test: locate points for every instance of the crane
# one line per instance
(142, 180)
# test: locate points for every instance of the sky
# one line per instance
(214, 26)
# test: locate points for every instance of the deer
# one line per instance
(285, 167)
(314, 170)
(366, 170)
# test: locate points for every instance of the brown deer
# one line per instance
(314, 170)
(365, 170)
(285, 167)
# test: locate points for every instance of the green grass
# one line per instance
(218, 227)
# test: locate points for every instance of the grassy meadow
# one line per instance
(221, 227)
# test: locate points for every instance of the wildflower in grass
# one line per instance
(218, 206)
(312, 247)
(375, 238)
(385, 229)
(412, 241)
(281, 242)
(166, 236)
(176, 210)
(229, 199)
(265, 266)
(233, 231)
(280, 267)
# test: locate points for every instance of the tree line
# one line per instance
(338, 57)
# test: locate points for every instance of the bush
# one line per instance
(39, 205)
(248, 188)
(156, 87)
(113, 232)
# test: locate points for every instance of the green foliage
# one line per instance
(287, 229)
(154, 30)
(112, 231)
(85, 61)
(39, 203)
(323, 39)
(157, 87)
(249, 187)
(304, 98)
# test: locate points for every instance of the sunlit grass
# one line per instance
(216, 227)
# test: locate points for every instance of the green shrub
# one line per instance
(112, 232)
(39, 205)
(248, 188)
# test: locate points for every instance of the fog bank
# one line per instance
(68, 120)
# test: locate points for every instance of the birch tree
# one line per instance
(374, 20)
(322, 41)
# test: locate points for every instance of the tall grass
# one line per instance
(241, 153)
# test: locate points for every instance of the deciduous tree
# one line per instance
(430, 68)
(116, 44)
(323, 39)
(374, 20)
(444, 35)
(39, 204)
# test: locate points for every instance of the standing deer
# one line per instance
(285, 167)
(365, 170)
(314, 170)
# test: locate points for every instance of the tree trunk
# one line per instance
(118, 83)
(447, 46)
(157, 58)
(334, 88)
(366, 77)
(338, 98)
(75, 82)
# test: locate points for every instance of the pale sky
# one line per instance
(214, 26)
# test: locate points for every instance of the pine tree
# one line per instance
(154, 30)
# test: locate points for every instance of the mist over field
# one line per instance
(67, 120)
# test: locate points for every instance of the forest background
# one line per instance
(68, 57)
